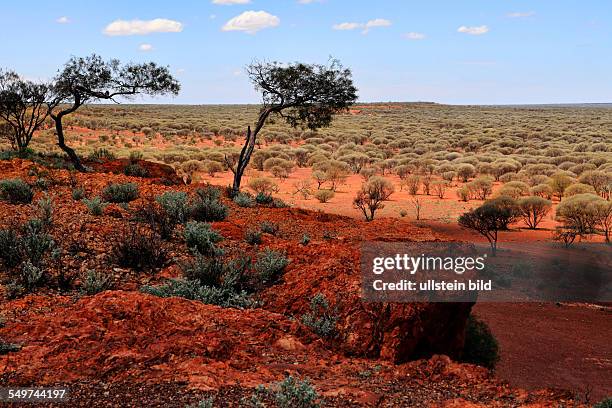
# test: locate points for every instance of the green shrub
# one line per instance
(480, 347)
(264, 199)
(209, 192)
(120, 193)
(16, 191)
(95, 206)
(324, 195)
(207, 207)
(35, 243)
(269, 227)
(10, 244)
(244, 200)
(99, 154)
(605, 403)
(270, 265)
(305, 239)
(78, 194)
(320, 320)
(14, 290)
(45, 210)
(252, 237)
(193, 290)
(138, 249)
(6, 348)
(157, 218)
(31, 276)
(295, 393)
(135, 170)
(95, 282)
(201, 238)
(175, 204)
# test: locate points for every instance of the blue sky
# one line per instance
(454, 51)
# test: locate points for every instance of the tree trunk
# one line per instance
(59, 128)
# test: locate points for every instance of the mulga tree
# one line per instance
(23, 109)
(304, 95)
(92, 79)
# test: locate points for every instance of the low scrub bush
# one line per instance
(270, 266)
(269, 227)
(206, 207)
(175, 204)
(35, 242)
(252, 237)
(10, 248)
(120, 193)
(16, 191)
(244, 200)
(324, 195)
(321, 319)
(95, 206)
(480, 347)
(264, 199)
(201, 238)
(138, 248)
(135, 170)
(78, 194)
(95, 282)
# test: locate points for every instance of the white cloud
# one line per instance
(63, 20)
(414, 36)
(377, 22)
(521, 14)
(477, 30)
(251, 22)
(143, 27)
(145, 47)
(346, 26)
(309, 1)
(230, 2)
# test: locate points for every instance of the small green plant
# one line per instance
(138, 248)
(45, 210)
(175, 204)
(480, 347)
(269, 227)
(403, 213)
(305, 239)
(6, 348)
(244, 200)
(270, 265)
(95, 282)
(206, 206)
(101, 154)
(205, 403)
(324, 195)
(605, 403)
(252, 237)
(95, 206)
(120, 193)
(78, 194)
(16, 191)
(135, 170)
(10, 244)
(31, 276)
(264, 198)
(14, 290)
(320, 319)
(295, 393)
(35, 243)
(201, 238)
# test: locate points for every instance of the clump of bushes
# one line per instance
(206, 206)
(270, 266)
(253, 236)
(120, 193)
(480, 347)
(244, 199)
(324, 195)
(135, 170)
(269, 227)
(16, 191)
(321, 319)
(289, 393)
(201, 238)
(138, 248)
(95, 282)
(175, 204)
(95, 206)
